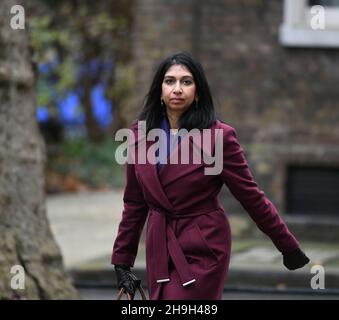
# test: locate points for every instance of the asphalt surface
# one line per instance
(85, 226)
(240, 294)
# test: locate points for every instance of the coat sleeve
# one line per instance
(134, 216)
(239, 179)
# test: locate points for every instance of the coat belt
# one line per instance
(165, 242)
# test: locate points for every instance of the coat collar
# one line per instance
(156, 182)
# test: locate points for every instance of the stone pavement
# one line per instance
(85, 226)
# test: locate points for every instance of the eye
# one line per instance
(188, 82)
(168, 81)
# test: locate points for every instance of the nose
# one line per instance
(177, 89)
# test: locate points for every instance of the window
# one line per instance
(325, 3)
(312, 191)
(298, 29)
(331, 8)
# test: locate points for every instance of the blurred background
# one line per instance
(83, 54)
(273, 68)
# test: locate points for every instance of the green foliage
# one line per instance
(66, 74)
(48, 40)
(71, 35)
(124, 83)
(93, 164)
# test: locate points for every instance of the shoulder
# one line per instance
(229, 134)
(138, 128)
(226, 128)
(138, 131)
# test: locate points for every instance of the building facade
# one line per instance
(280, 94)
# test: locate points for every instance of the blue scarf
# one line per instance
(165, 152)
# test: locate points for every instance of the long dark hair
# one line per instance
(201, 115)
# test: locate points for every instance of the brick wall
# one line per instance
(283, 102)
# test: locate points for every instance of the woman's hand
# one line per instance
(126, 279)
(295, 259)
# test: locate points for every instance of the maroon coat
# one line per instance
(188, 239)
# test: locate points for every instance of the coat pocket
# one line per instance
(196, 248)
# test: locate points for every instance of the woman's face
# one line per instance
(178, 88)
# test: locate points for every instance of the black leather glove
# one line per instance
(295, 259)
(126, 279)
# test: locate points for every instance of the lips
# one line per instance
(176, 100)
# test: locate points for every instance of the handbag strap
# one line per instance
(129, 296)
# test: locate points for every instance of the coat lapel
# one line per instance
(173, 171)
(150, 179)
(156, 182)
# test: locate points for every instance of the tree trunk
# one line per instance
(25, 235)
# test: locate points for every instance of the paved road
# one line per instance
(85, 226)
(110, 294)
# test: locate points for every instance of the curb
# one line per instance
(237, 278)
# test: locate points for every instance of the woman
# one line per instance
(188, 240)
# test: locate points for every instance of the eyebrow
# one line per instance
(173, 77)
